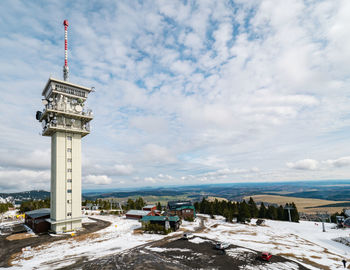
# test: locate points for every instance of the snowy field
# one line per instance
(113, 239)
(302, 242)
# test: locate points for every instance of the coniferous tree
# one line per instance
(254, 211)
(243, 212)
(159, 206)
(262, 211)
(271, 212)
(294, 213)
(280, 213)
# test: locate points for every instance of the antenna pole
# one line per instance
(65, 67)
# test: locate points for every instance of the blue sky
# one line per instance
(187, 92)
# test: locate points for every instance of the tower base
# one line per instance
(62, 226)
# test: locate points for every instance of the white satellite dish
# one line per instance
(45, 102)
(43, 123)
(78, 108)
(50, 99)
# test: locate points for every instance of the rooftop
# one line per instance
(138, 212)
(38, 213)
(160, 218)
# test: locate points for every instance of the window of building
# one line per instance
(69, 180)
(69, 214)
(69, 170)
(68, 201)
(69, 150)
(69, 191)
(69, 159)
(69, 138)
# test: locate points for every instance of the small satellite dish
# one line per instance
(78, 108)
(43, 123)
(38, 115)
(50, 99)
(45, 102)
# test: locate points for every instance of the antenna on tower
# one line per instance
(65, 67)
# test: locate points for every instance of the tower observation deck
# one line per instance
(66, 120)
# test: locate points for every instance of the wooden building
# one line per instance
(37, 220)
(167, 222)
(150, 207)
(137, 214)
(183, 209)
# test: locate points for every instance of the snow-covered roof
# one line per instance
(138, 212)
(149, 206)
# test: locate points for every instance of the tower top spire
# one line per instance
(65, 67)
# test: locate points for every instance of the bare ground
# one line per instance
(9, 249)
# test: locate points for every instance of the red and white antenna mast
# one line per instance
(65, 67)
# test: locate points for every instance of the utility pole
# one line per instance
(287, 207)
(323, 216)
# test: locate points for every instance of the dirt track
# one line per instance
(181, 254)
(9, 248)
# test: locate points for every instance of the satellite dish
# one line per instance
(38, 115)
(50, 99)
(78, 108)
(45, 102)
(43, 123)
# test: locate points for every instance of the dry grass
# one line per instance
(301, 203)
(18, 236)
(304, 260)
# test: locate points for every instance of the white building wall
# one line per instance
(65, 181)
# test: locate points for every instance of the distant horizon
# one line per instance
(126, 189)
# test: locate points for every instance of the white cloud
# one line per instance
(120, 169)
(305, 164)
(184, 88)
(97, 179)
(338, 163)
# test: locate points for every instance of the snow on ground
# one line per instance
(303, 242)
(113, 239)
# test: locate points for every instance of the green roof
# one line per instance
(186, 207)
(160, 218)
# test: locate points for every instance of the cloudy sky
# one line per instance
(187, 92)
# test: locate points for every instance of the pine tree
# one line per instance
(262, 211)
(294, 213)
(159, 206)
(243, 212)
(254, 212)
(271, 212)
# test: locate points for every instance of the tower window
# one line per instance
(69, 191)
(69, 150)
(69, 170)
(69, 214)
(69, 180)
(69, 159)
(68, 201)
(69, 138)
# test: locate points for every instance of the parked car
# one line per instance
(265, 256)
(222, 246)
(187, 236)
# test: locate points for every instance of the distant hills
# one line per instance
(24, 196)
(336, 190)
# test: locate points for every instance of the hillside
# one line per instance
(305, 205)
(25, 195)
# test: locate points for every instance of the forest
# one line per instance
(244, 211)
